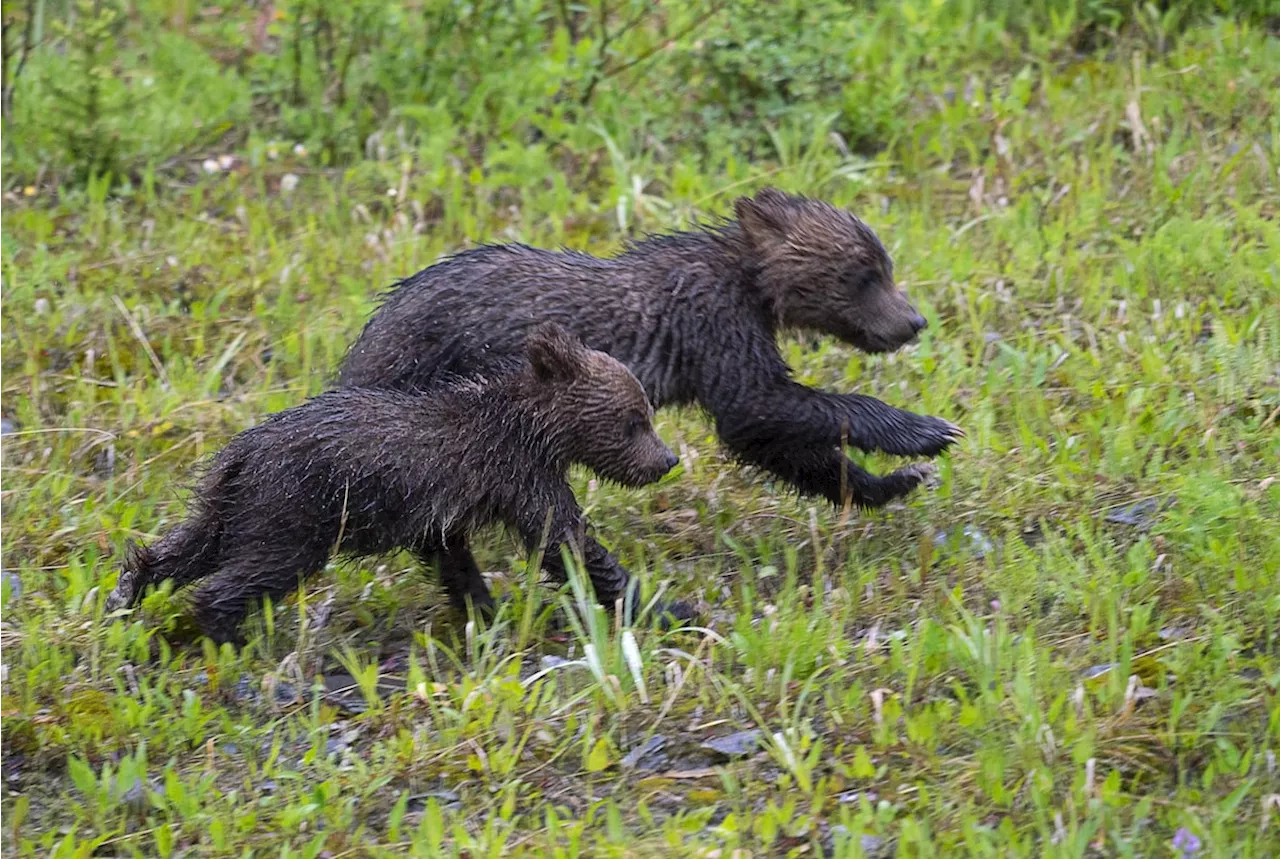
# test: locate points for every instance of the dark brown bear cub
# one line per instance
(366, 472)
(695, 316)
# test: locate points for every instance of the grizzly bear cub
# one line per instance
(364, 472)
(695, 316)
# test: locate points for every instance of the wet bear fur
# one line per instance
(365, 472)
(695, 316)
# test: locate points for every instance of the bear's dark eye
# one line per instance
(862, 279)
(635, 424)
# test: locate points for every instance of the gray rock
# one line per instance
(734, 745)
(646, 749)
(444, 796)
(1140, 515)
(970, 539)
(1175, 633)
(853, 796)
(15, 584)
(134, 798)
(872, 845)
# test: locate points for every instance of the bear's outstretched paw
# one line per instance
(936, 436)
(916, 435)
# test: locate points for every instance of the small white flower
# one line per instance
(226, 161)
(288, 182)
(211, 166)
(300, 151)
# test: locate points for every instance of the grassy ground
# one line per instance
(1071, 648)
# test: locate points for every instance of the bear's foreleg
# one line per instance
(245, 577)
(826, 472)
(458, 573)
(790, 413)
(611, 581)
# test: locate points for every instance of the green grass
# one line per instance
(1082, 198)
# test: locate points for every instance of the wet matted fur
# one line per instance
(360, 472)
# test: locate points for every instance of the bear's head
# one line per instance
(822, 269)
(599, 409)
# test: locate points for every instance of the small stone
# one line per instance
(973, 540)
(1141, 515)
(871, 844)
(1174, 633)
(734, 745)
(635, 756)
(286, 693)
(1033, 536)
(444, 796)
(135, 797)
(1097, 670)
(41, 306)
(15, 584)
(7, 427)
(851, 796)
(245, 689)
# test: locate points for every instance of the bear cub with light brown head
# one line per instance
(371, 471)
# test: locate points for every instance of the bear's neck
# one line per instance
(740, 257)
(723, 252)
(535, 422)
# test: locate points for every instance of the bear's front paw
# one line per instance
(674, 613)
(922, 473)
(483, 605)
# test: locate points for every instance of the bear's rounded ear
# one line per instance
(764, 218)
(556, 354)
(769, 195)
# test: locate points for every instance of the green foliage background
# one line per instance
(1069, 649)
